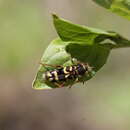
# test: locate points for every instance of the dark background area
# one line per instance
(26, 29)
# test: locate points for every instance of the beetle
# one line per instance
(60, 75)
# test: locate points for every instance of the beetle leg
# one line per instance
(59, 85)
(76, 81)
(70, 86)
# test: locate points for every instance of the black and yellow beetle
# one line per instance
(60, 75)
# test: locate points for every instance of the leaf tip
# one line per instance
(54, 16)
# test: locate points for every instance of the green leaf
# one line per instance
(85, 44)
(120, 7)
(89, 36)
(104, 3)
(88, 44)
(73, 32)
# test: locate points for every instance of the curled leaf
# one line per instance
(85, 44)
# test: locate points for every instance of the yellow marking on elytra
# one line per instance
(66, 76)
(50, 79)
(49, 74)
(75, 68)
(56, 75)
(84, 66)
(71, 68)
(65, 70)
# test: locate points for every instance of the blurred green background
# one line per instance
(26, 29)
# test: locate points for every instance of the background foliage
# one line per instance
(120, 7)
(26, 30)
